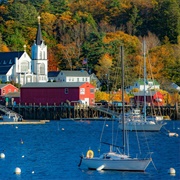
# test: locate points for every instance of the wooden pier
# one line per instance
(57, 112)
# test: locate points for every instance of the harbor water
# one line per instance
(52, 151)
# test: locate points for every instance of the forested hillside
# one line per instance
(75, 30)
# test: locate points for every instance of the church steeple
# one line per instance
(39, 39)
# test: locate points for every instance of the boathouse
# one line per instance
(52, 93)
(152, 98)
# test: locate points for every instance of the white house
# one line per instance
(149, 85)
(21, 68)
(69, 76)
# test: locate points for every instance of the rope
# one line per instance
(154, 166)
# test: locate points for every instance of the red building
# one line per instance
(6, 89)
(152, 98)
(51, 93)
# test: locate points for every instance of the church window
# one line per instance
(42, 69)
(40, 55)
(10, 62)
(24, 66)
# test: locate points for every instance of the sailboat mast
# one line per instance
(144, 57)
(122, 90)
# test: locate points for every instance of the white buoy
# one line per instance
(32, 172)
(16, 127)
(106, 125)
(22, 156)
(173, 134)
(100, 167)
(172, 171)
(2, 155)
(17, 170)
(62, 129)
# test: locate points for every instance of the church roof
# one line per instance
(7, 60)
(39, 39)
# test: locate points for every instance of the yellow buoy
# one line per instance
(90, 154)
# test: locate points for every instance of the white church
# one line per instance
(21, 68)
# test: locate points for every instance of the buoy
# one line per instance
(2, 155)
(173, 134)
(106, 125)
(17, 170)
(62, 129)
(16, 127)
(22, 156)
(32, 172)
(22, 141)
(100, 167)
(171, 171)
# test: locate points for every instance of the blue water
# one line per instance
(51, 151)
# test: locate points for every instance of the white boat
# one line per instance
(139, 122)
(10, 117)
(115, 159)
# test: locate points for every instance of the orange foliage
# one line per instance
(4, 48)
(52, 63)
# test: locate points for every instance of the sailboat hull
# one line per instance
(119, 165)
(141, 126)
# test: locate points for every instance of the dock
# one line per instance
(24, 122)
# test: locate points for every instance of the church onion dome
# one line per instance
(39, 39)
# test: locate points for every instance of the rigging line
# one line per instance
(153, 164)
(117, 132)
(138, 140)
(112, 130)
(146, 141)
(102, 134)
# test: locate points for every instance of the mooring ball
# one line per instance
(2, 155)
(172, 171)
(17, 170)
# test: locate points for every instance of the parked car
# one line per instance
(117, 104)
(102, 102)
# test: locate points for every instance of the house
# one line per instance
(21, 68)
(52, 76)
(175, 86)
(152, 98)
(6, 89)
(73, 76)
(139, 84)
(93, 78)
(51, 93)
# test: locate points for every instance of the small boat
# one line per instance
(11, 117)
(116, 159)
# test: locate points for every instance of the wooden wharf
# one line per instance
(65, 111)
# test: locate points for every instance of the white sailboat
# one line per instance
(115, 159)
(141, 123)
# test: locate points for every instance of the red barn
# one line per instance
(152, 98)
(6, 89)
(57, 92)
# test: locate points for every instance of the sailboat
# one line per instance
(141, 123)
(115, 159)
